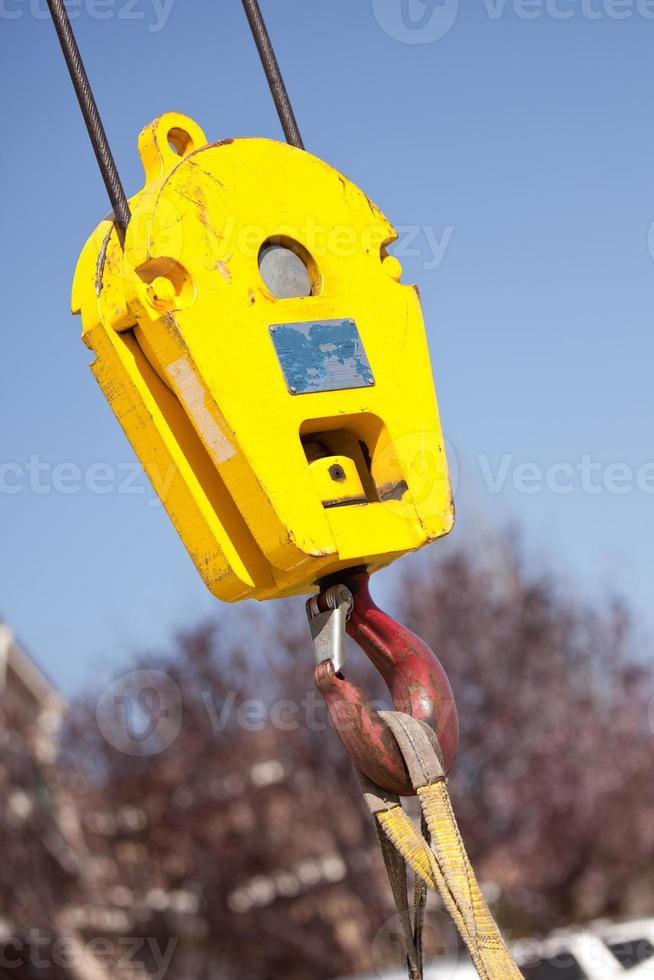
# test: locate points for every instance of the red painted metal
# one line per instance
(415, 678)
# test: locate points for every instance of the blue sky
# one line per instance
(518, 146)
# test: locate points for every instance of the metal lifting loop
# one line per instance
(414, 676)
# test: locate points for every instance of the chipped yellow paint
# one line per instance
(178, 317)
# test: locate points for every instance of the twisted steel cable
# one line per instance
(90, 112)
(273, 73)
(91, 115)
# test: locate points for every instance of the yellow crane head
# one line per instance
(255, 341)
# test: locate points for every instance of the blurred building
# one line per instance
(24, 688)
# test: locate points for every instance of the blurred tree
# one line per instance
(222, 834)
(553, 786)
(244, 842)
(40, 868)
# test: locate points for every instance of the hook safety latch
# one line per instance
(328, 627)
(413, 674)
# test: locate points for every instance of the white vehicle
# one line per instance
(601, 951)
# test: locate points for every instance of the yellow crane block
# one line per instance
(253, 337)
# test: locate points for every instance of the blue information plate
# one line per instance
(321, 355)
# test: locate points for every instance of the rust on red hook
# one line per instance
(415, 678)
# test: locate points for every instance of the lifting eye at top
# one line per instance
(180, 141)
(166, 141)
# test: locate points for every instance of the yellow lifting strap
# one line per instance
(443, 865)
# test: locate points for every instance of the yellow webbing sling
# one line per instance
(443, 864)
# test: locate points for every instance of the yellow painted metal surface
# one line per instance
(270, 488)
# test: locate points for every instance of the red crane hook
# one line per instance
(413, 674)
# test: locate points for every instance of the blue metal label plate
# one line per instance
(321, 355)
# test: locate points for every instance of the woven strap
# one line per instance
(443, 863)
